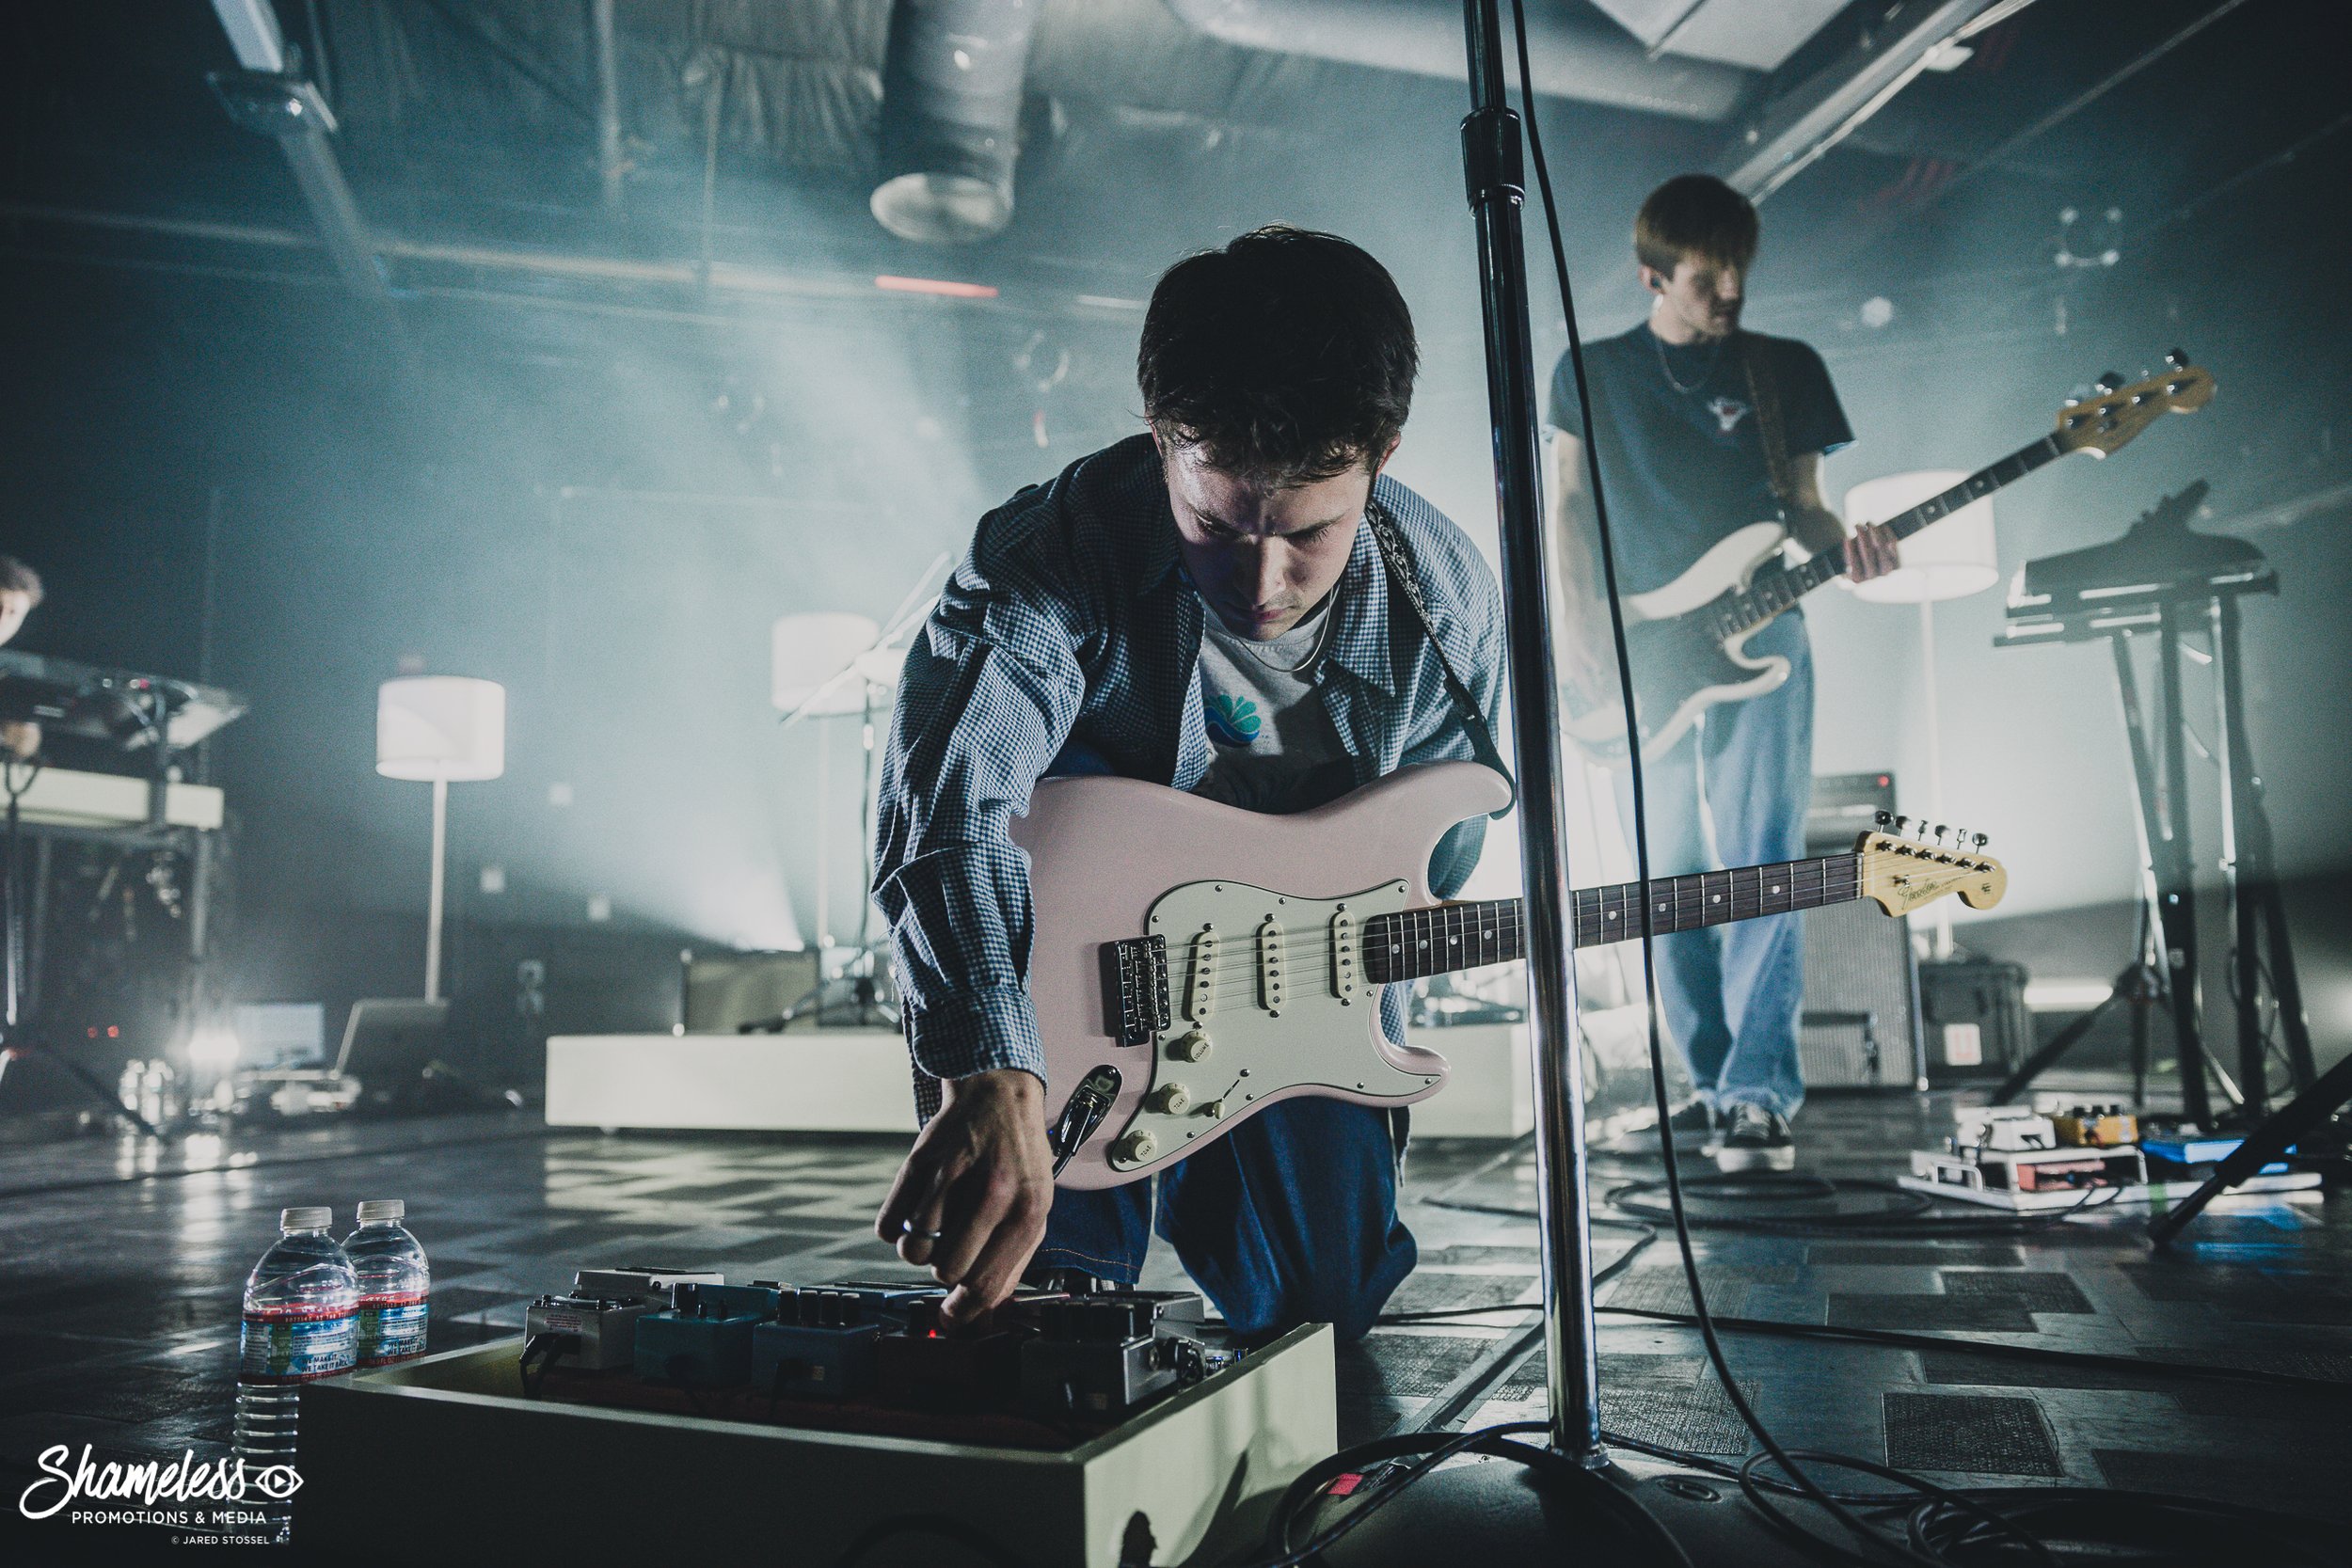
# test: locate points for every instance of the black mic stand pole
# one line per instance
(1491, 166)
(1575, 1499)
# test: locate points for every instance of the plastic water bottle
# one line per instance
(301, 1302)
(394, 1281)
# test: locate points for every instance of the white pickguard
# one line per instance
(1317, 1030)
(1724, 568)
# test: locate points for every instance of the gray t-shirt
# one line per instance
(1273, 744)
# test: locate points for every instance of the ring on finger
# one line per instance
(907, 1229)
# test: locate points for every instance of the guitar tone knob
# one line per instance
(1135, 1149)
(1172, 1099)
(1191, 1046)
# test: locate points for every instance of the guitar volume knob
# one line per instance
(1191, 1046)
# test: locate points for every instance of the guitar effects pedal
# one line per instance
(820, 1344)
(596, 1333)
(640, 1279)
(705, 1339)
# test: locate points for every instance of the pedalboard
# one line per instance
(870, 1352)
(2063, 1153)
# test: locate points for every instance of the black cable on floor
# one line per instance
(1909, 1215)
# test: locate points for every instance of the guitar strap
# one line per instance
(1400, 564)
(1764, 392)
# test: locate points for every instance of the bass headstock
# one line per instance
(2109, 419)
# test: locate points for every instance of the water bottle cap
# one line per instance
(304, 1219)
(383, 1209)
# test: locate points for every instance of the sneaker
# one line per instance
(1693, 1128)
(1755, 1139)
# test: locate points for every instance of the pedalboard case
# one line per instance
(482, 1469)
(1974, 1020)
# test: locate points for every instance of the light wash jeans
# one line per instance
(1732, 993)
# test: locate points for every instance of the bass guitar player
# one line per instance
(1702, 428)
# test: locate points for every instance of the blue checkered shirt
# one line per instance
(1067, 643)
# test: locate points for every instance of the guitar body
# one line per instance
(1112, 860)
(1680, 668)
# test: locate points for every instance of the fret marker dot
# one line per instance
(1716, 898)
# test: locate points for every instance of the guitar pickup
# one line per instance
(1143, 1004)
(1270, 964)
(1345, 977)
(1202, 1000)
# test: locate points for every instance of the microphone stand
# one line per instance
(1493, 172)
(1576, 1498)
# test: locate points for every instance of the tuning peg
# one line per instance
(1902, 826)
(1883, 818)
(2177, 358)
(1980, 840)
(2109, 381)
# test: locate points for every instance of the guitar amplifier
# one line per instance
(1860, 1024)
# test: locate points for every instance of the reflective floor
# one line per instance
(120, 1266)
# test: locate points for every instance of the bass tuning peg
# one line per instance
(2111, 381)
(2177, 358)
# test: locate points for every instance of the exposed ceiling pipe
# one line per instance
(610, 164)
(1575, 51)
(952, 81)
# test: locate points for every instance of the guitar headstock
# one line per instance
(1904, 869)
(2107, 420)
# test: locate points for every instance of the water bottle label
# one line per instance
(283, 1349)
(390, 1329)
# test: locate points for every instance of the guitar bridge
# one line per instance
(1143, 1004)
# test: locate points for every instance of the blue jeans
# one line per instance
(1289, 1219)
(1732, 993)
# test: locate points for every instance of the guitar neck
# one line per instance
(1412, 944)
(1774, 589)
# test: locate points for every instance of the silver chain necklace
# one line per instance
(1660, 344)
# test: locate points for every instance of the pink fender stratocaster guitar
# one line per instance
(1193, 964)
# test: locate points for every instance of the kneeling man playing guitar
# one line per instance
(1178, 769)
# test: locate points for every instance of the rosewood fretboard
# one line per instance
(1416, 942)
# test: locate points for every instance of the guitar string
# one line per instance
(1594, 909)
(1304, 945)
(1314, 942)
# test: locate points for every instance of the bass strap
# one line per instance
(1400, 564)
(1764, 392)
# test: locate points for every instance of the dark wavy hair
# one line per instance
(1695, 215)
(1286, 357)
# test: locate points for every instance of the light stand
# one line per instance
(439, 730)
